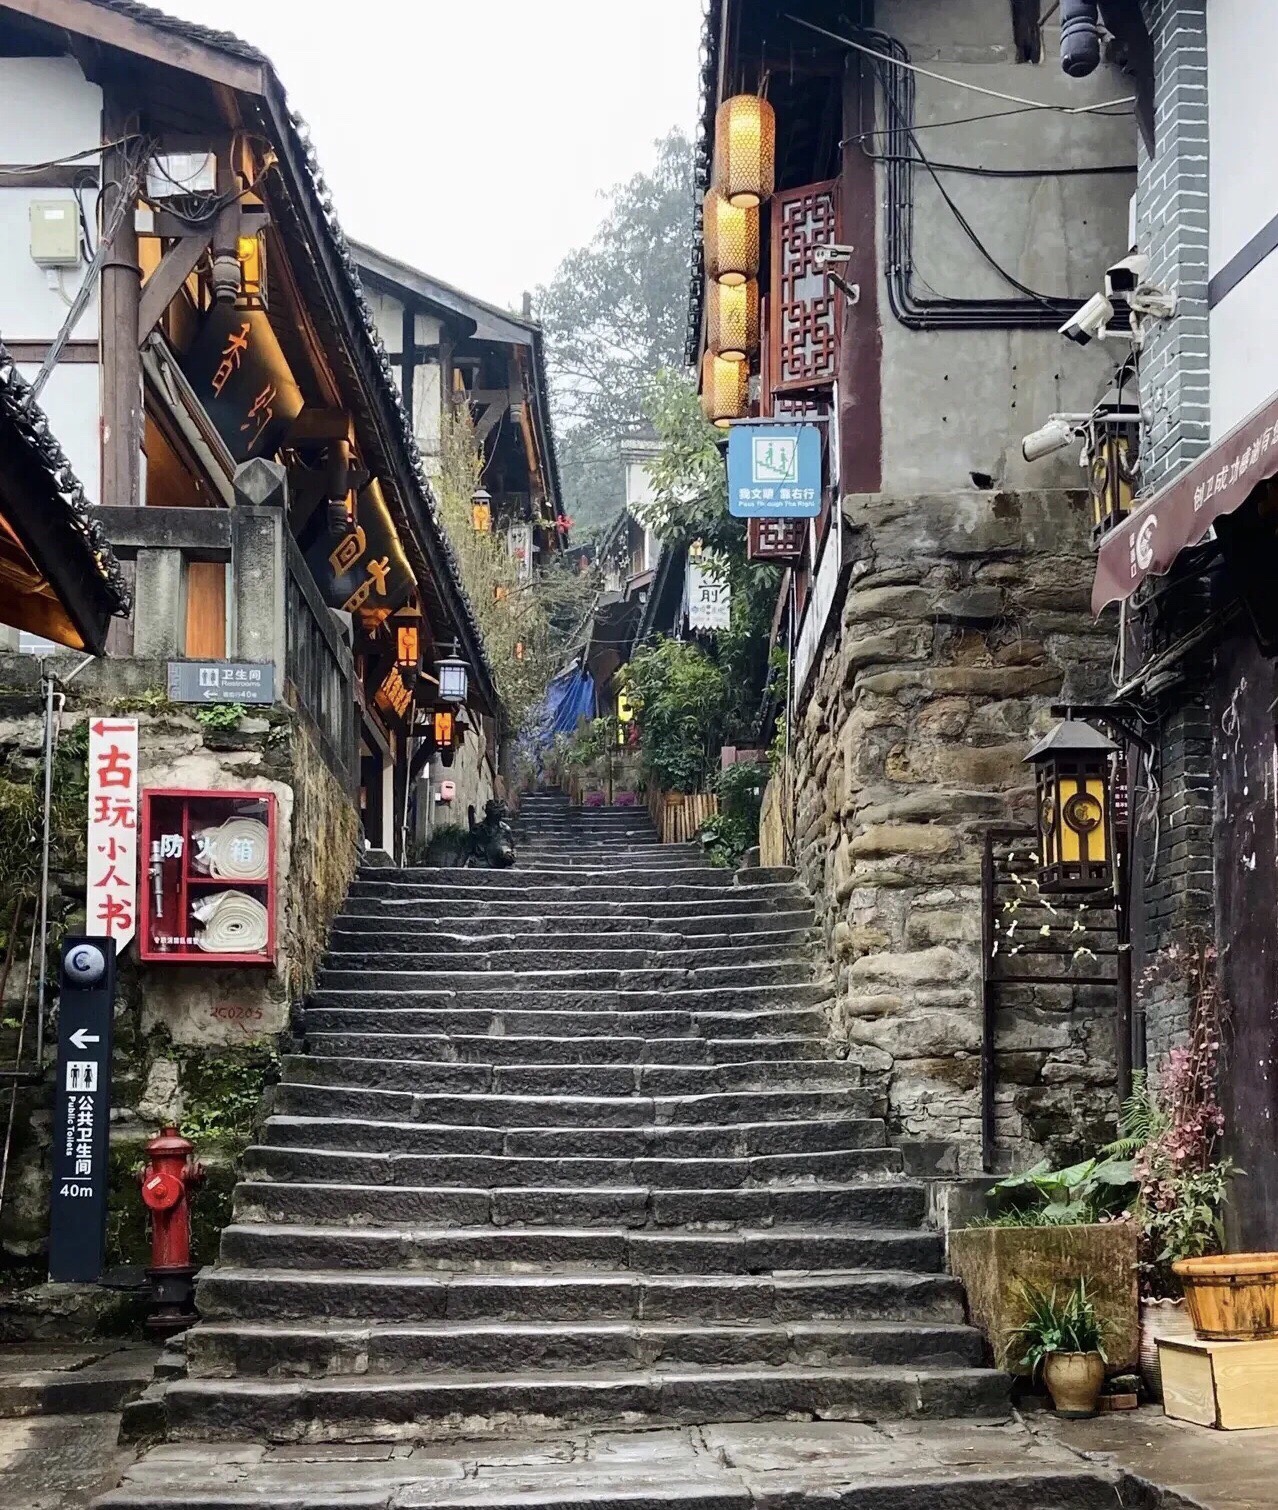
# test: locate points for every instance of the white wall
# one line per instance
(1242, 44)
(50, 111)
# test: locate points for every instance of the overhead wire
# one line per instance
(15, 169)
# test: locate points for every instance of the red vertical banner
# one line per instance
(112, 899)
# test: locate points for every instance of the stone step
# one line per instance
(480, 957)
(899, 1203)
(297, 1162)
(475, 887)
(514, 996)
(458, 977)
(510, 1110)
(397, 929)
(422, 1075)
(351, 1011)
(424, 1407)
(230, 1293)
(712, 948)
(631, 1472)
(741, 1251)
(745, 902)
(264, 1350)
(529, 879)
(541, 1050)
(360, 1135)
(71, 1379)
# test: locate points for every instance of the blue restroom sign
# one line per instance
(774, 471)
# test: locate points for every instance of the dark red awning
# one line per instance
(1179, 515)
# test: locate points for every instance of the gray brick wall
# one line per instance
(1172, 229)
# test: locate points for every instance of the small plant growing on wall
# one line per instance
(220, 716)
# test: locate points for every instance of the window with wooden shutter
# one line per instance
(803, 313)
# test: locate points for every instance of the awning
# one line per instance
(1180, 515)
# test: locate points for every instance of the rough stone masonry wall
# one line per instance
(966, 618)
(194, 1044)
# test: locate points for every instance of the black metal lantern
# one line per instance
(1113, 455)
(453, 675)
(1073, 769)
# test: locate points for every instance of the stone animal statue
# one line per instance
(491, 842)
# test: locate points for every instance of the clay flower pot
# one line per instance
(1074, 1380)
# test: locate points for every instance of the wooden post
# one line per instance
(122, 413)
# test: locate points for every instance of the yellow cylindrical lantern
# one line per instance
(725, 389)
(745, 150)
(1075, 822)
(732, 320)
(732, 240)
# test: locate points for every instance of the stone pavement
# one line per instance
(746, 1466)
(1222, 1470)
(59, 1462)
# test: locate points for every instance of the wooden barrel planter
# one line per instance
(1231, 1297)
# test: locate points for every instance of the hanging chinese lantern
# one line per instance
(732, 320)
(481, 511)
(725, 389)
(443, 728)
(745, 150)
(1072, 765)
(731, 240)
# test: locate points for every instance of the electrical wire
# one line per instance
(927, 73)
(969, 120)
(14, 169)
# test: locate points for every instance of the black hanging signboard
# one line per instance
(82, 1112)
(240, 375)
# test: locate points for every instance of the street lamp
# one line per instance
(1072, 767)
(453, 675)
(481, 511)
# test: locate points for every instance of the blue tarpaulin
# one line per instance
(569, 698)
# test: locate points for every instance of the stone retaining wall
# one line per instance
(965, 618)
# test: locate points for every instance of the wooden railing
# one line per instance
(319, 670)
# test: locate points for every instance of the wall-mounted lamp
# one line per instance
(453, 675)
(731, 240)
(481, 511)
(1073, 768)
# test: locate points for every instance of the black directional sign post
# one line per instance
(82, 1112)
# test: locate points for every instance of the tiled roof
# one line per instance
(24, 425)
(193, 32)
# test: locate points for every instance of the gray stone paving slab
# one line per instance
(58, 1462)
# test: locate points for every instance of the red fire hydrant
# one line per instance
(168, 1180)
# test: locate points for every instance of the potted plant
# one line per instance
(1064, 1345)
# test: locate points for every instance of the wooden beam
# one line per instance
(33, 352)
(122, 414)
(490, 418)
(144, 40)
(165, 283)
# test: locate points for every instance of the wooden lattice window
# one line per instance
(803, 338)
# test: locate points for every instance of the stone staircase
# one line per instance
(570, 1147)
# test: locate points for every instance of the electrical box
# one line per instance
(177, 174)
(55, 233)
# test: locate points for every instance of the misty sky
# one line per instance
(472, 138)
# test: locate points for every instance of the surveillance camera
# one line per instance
(1150, 303)
(1126, 275)
(1054, 436)
(1090, 321)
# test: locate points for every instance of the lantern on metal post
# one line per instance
(731, 240)
(1113, 454)
(453, 675)
(732, 320)
(1073, 770)
(725, 389)
(481, 511)
(745, 150)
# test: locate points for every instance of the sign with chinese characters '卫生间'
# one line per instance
(113, 828)
(221, 682)
(365, 568)
(239, 373)
(774, 471)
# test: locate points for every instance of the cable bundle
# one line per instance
(232, 923)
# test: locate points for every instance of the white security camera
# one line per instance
(1090, 321)
(1126, 275)
(1054, 436)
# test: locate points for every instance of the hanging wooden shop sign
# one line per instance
(239, 373)
(365, 568)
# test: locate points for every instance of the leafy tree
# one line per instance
(614, 315)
